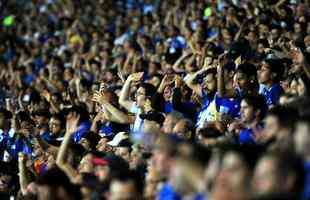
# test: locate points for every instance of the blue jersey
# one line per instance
(19, 144)
(247, 136)
(228, 106)
(168, 107)
(271, 95)
(82, 131)
(167, 192)
(306, 192)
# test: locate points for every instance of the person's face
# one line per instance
(38, 151)
(150, 127)
(307, 41)
(181, 131)
(167, 93)
(260, 48)
(161, 162)
(40, 120)
(140, 97)
(123, 191)
(67, 75)
(44, 192)
(247, 112)
(297, 28)
(272, 126)
(51, 162)
(5, 180)
(152, 68)
(252, 36)
(55, 126)
(301, 138)
(264, 179)
(85, 143)
(151, 182)
(210, 82)
(159, 48)
(123, 152)
(102, 172)
(274, 34)
(102, 145)
(134, 159)
(168, 125)
(240, 80)
(264, 74)
(230, 183)
(27, 126)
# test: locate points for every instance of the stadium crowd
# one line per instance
(150, 99)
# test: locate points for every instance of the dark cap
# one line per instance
(153, 116)
(81, 110)
(42, 113)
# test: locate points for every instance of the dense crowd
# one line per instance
(151, 99)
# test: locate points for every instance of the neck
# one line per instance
(252, 123)
(269, 84)
(307, 157)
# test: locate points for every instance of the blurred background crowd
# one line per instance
(151, 99)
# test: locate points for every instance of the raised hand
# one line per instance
(72, 124)
(22, 158)
(46, 95)
(223, 59)
(99, 97)
(297, 55)
(135, 77)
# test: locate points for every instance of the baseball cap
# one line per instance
(153, 116)
(118, 138)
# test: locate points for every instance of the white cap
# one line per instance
(118, 138)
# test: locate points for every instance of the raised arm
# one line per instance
(176, 65)
(191, 83)
(111, 112)
(220, 75)
(61, 161)
(23, 176)
(124, 95)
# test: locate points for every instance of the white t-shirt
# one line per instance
(138, 124)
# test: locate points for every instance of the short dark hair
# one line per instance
(286, 116)
(60, 117)
(149, 89)
(276, 67)
(248, 69)
(132, 176)
(258, 103)
(57, 178)
(286, 164)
